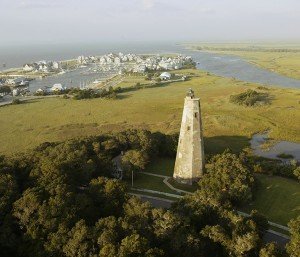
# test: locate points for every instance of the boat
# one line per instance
(24, 83)
(97, 81)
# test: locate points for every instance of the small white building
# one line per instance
(55, 65)
(28, 67)
(165, 76)
(39, 91)
(80, 59)
(16, 92)
(57, 88)
(140, 68)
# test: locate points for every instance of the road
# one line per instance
(270, 236)
(8, 99)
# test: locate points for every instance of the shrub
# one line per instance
(86, 94)
(262, 88)
(16, 101)
(5, 89)
(285, 156)
(249, 98)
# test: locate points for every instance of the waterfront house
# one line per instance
(165, 76)
(16, 92)
(55, 66)
(40, 91)
(28, 67)
(44, 67)
(57, 88)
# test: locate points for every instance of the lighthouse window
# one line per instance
(188, 128)
(195, 114)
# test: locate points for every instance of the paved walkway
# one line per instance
(165, 180)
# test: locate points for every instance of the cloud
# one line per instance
(36, 4)
(148, 4)
(205, 10)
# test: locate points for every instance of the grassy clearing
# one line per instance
(276, 197)
(143, 181)
(161, 166)
(131, 80)
(226, 125)
(154, 195)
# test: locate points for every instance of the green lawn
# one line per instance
(143, 181)
(161, 166)
(276, 197)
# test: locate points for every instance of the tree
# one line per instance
(134, 160)
(297, 173)
(293, 246)
(9, 240)
(270, 250)
(227, 179)
(133, 245)
(261, 222)
(80, 243)
(16, 101)
(5, 90)
(107, 196)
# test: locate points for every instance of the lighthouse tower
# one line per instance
(189, 163)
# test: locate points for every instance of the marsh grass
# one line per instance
(226, 125)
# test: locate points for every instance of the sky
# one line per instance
(59, 21)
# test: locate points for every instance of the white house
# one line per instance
(140, 68)
(57, 88)
(44, 68)
(40, 90)
(165, 76)
(80, 59)
(166, 65)
(28, 67)
(55, 65)
(16, 92)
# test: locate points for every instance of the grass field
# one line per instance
(27, 125)
(276, 197)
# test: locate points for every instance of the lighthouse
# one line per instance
(189, 163)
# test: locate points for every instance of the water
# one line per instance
(15, 56)
(76, 78)
(235, 67)
(278, 148)
(222, 65)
